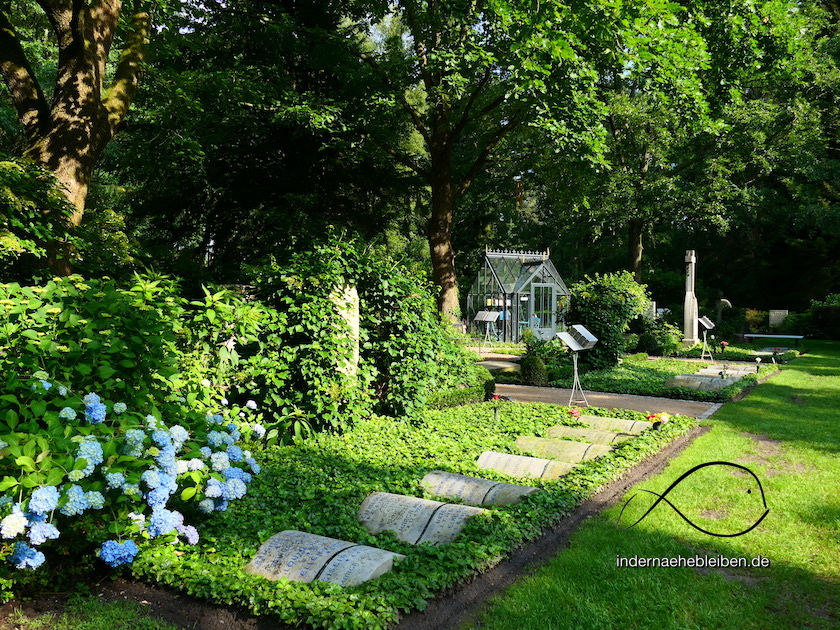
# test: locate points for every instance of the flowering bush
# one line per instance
(107, 473)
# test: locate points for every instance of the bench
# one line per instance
(750, 336)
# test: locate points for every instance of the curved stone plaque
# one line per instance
(474, 490)
(594, 436)
(358, 564)
(412, 519)
(562, 450)
(522, 466)
(305, 557)
(633, 427)
(447, 522)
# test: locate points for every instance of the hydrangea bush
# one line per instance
(74, 464)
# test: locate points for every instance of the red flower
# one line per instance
(496, 397)
(724, 343)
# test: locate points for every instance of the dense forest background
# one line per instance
(203, 138)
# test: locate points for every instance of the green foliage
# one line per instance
(605, 305)
(639, 376)
(321, 484)
(33, 215)
(477, 389)
(116, 473)
(533, 371)
(659, 337)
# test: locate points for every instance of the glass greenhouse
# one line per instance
(524, 288)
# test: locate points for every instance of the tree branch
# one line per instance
(465, 116)
(402, 158)
(484, 155)
(400, 94)
(118, 97)
(100, 25)
(27, 96)
(420, 46)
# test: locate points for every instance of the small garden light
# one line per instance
(757, 364)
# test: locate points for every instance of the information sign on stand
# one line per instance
(707, 324)
(489, 318)
(577, 338)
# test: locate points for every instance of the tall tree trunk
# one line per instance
(440, 233)
(636, 229)
(69, 135)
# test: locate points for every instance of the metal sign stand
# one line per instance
(707, 325)
(489, 318)
(576, 387)
(577, 339)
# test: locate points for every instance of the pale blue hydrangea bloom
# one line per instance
(119, 407)
(219, 461)
(43, 500)
(95, 500)
(258, 430)
(68, 413)
(76, 502)
(42, 532)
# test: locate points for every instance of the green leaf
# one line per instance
(188, 493)
(11, 419)
(8, 482)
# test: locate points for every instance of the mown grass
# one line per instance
(90, 613)
(787, 431)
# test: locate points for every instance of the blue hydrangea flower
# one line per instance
(190, 533)
(237, 473)
(162, 438)
(91, 399)
(134, 442)
(3, 445)
(91, 452)
(166, 461)
(119, 407)
(163, 522)
(68, 413)
(221, 505)
(205, 451)
(76, 502)
(196, 464)
(95, 500)
(258, 430)
(214, 488)
(215, 439)
(252, 463)
(43, 500)
(152, 422)
(115, 554)
(206, 506)
(62, 391)
(234, 489)
(25, 557)
(234, 453)
(95, 413)
(46, 385)
(42, 532)
(115, 480)
(219, 461)
(179, 436)
(13, 524)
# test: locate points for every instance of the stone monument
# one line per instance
(304, 557)
(690, 336)
(414, 520)
(474, 490)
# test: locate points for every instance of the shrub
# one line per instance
(100, 474)
(659, 337)
(533, 372)
(605, 305)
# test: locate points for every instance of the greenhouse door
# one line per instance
(541, 315)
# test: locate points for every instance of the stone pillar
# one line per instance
(346, 300)
(690, 336)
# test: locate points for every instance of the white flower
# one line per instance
(252, 405)
(13, 525)
(224, 402)
(205, 382)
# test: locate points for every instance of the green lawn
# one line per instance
(788, 432)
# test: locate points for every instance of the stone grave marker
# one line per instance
(304, 557)
(594, 436)
(523, 466)
(563, 450)
(474, 490)
(412, 519)
(616, 424)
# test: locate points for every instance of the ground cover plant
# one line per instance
(787, 431)
(639, 375)
(318, 487)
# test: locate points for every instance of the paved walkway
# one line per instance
(647, 404)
